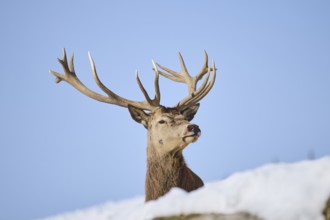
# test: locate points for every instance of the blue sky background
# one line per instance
(61, 151)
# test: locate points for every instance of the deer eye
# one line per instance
(161, 122)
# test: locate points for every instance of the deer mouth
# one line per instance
(197, 134)
(193, 134)
(191, 138)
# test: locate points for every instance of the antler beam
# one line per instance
(70, 77)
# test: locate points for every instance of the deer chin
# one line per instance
(191, 138)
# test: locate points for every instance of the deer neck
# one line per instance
(165, 171)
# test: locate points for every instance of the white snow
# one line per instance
(274, 192)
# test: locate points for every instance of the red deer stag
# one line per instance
(169, 129)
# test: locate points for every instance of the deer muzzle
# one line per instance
(192, 133)
(194, 129)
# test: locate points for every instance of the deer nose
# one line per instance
(194, 128)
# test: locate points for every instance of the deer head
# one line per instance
(169, 129)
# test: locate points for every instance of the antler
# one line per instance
(194, 95)
(70, 77)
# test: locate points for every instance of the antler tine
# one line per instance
(183, 76)
(184, 70)
(71, 67)
(205, 67)
(172, 74)
(202, 91)
(112, 98)
(64, 63)
(144, 91)
(209, 85)
(194, 95)
(116, 99)
(156, 100)
(157, 90)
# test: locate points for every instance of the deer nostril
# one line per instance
(194, 128)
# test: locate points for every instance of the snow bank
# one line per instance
(273, 192)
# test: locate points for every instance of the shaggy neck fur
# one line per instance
(167, 171)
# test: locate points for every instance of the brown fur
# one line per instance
(166, 172)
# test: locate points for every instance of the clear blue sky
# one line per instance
(61, 151)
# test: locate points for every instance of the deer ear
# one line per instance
(139, 115)
(190, 112)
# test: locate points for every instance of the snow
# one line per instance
(273, 192)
